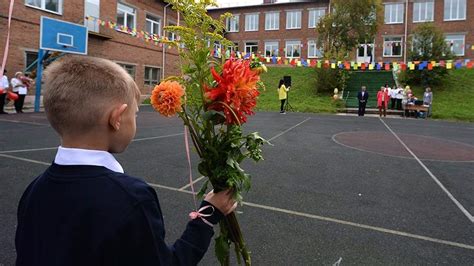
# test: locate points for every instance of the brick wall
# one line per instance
(465, 27)
(120, 47)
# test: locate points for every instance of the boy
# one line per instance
(83, 210)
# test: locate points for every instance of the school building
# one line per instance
(144, 59)
(288, 30)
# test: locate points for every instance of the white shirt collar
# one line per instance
(73, 156)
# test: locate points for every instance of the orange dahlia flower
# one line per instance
(166, 98)
(237, 87)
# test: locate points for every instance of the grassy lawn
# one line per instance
(302, 96)
(454, 100)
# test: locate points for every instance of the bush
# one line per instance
(424, 77)
(328, 79)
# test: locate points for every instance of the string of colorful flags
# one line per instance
(297, 62)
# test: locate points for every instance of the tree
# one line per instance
(350, 23)
(427, 44)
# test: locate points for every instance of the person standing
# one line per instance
(362, 96)
(20, 89)
(393, 96)
(399, 97)
(4, 85)
(428, 100)
(382, 101)
(282, 95)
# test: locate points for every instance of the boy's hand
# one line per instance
(222, 201)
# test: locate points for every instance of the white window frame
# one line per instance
(423, 7)
(251, 19)
(250, 46)
(292, 44)
(293, 19)
(314, 16)
(172, 35)
(151, 82)
(126, 12)
(456, 37)
(450, 3)
(274, 48)
(387, 42)
(316, 49)
(155, 21)
(232, 23)
(394, 16)
(272, 20)
(43, 7)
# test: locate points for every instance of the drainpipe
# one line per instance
(406, 33)
(164, 45)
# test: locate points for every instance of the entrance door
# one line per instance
(365, 53)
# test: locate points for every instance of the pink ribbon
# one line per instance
(199, 214)
(7, 43)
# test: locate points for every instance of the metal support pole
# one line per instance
(39, 74)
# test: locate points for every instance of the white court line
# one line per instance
(302, 214)
(194, 182)
(158, 137)
(284, 132)
(24, 122)
(458, 204)
(24, 159)
(54, 148)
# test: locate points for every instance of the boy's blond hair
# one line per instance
(80, 90)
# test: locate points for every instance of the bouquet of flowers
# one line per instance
(213, 97)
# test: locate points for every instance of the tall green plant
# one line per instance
(427, 43)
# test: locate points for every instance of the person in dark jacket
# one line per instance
(84, 210)
(363, 97)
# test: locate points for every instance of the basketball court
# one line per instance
(364, 190)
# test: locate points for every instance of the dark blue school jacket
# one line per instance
(89, 215)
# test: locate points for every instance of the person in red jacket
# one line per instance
(382, 101)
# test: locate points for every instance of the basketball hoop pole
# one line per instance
(39, 74)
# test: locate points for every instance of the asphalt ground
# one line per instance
(364, 190)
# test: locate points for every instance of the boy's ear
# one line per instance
(115, 117)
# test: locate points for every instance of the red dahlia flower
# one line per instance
(236, 87)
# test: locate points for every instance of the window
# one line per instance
(153, 25)
(313, 51)
(55, 6)
(232, 24)
(171, 35)
(423, 10)
(293, 49)
(293, 19)
(92, 9)
(126, 16)
(251, 22)
(251, 47)
(392, 46)
(394, 13)
(30, 58)
(314, 17)
(271, 49)
(272, 21)
(152, 75)
(129, 68)
(456, 44)
(454, 9)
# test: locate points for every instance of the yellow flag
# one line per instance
(411, 66)
(355, 66)
(371, 66)
(268, 59)
(298, 63)
(449, 65)
(333, 65)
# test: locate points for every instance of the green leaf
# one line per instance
(222, 246)
(203, 190)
